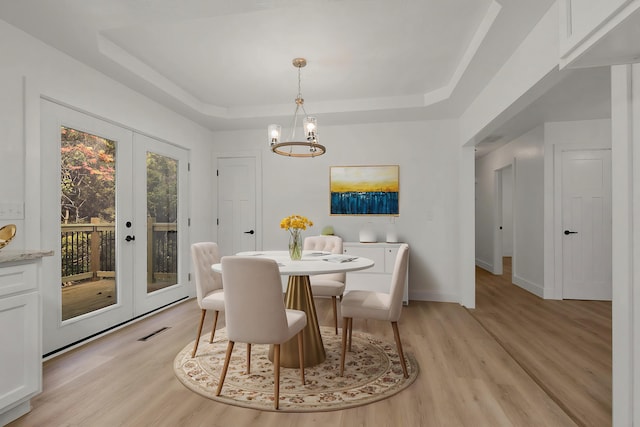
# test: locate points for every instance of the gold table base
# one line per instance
(300, 297)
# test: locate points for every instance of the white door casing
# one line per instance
(586, 224)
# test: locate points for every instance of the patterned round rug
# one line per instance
(372, 372)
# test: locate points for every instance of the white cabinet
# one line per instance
(20, 333)
(597, 32)
(378, 277)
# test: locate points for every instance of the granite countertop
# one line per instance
(17, 255)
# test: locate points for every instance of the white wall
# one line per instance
(625, 179)
(526, 154)
(48, 72)
(427, 154)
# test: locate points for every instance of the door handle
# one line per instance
(567, 232)
(249, 232)
(130, 238)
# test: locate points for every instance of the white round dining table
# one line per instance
(300, 297)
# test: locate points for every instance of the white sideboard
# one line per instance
(378, 277)
(20, 332)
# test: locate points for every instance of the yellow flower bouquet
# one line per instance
(295, 224)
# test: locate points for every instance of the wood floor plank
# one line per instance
(467, 377)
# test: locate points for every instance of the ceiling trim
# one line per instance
(483, 29)
(140, 69)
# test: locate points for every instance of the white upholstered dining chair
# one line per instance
(255, 312)
(378, 306)
(327, 285)
(209, 292)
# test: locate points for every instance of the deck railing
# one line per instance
(88, 251)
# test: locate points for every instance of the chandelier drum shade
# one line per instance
(307, 146)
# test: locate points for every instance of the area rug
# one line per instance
(372, 373)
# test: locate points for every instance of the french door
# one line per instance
(113, 204)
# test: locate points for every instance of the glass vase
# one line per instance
(295, 245)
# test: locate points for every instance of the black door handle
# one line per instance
(249, 232)
(130, 238)
(567, 232)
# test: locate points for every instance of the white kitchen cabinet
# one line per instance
(20, 333)
(378, 277)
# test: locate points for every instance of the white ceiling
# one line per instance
(227, 63)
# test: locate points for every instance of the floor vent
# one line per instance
(152, 334)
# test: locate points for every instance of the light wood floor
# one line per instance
(467, 377)
(565, 346)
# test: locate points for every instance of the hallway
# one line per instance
(565, 346)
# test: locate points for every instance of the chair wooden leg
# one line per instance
(195, 347)
(345, 326)
(301, 355)
(215, 323)
(396, 334)
(276, 375)
(248, 358)
(223, 374)
(335, 312)
(350, 331)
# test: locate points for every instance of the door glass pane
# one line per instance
(87, 222)
(162, 221)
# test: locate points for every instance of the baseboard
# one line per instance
(15, 412)
(432, 296)
(550, 293)
(484, 265)
(529, 286)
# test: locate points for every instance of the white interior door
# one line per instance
(237, 228)
(586, 224)
(95, 196)
(502, 217)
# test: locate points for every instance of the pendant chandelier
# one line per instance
(304, 147)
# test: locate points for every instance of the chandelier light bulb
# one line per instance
(310, 126)
(274, 132)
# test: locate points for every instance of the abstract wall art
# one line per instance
(364, 190)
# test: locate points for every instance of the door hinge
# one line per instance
(188, 167)
(188, 222)
(217, 172)
(189, 276)
(217, 221)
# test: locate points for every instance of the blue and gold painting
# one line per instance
(364, 190)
